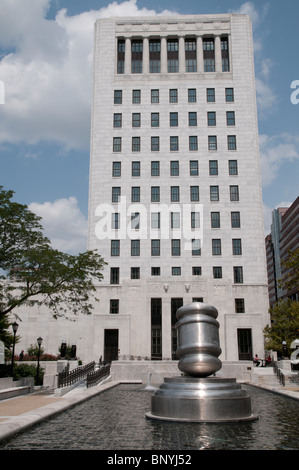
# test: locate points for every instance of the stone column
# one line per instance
(128, 53)
(182, 62)
(163, 55)
(145, 56)
(199, 51)
(218, 57)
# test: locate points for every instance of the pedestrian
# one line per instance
(256, 360)
(21, 355)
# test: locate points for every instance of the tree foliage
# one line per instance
(284, 326)
(34, 273)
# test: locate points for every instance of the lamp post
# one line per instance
(39, 342)
(15, 327)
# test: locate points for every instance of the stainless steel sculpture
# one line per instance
(194, 396)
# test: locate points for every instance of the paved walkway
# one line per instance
(19, 413)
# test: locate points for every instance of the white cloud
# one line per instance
(48, 71)
(275, 151)
(64, 224)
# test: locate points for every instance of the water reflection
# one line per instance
(116, 420)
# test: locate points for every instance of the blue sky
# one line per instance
(46, 69)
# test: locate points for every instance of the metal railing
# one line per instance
(95, 377)
(280, 375)
(67, 377)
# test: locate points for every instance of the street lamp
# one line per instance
(15, 327)
(39, 342)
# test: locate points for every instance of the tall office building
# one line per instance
(175, 204)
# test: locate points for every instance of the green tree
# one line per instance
(34, 273)
(284, 325)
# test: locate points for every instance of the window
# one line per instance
(214, 193)
(135, 221)
(235, 220)
(225, 54)
(190, 55)
(211, 118)
(116, 144)
(191, 95)
(238, 274)
(213, 167)
(217, 272)
(155, 168)
(231, 142)
(216, 247)
(239, 306)
(230, 118)
(115, 194)
(173, 119)
(196, 271)
(155, 194)
(136, 59)
(174, 144)
(135, 168)
(116, 169)
(114, 306)
(209, 54)
(155, 271)
(154, 96)
(118, 96)
(115, 247)
(175, 247)
(155, 144)
(229, 95)
(174, 168)
(193, 168)
(135, 273)
(193, 143)
(175, 193)
(136, 96)
(135, 144)
(233, 167)
(196, 247)
(234, 193)
(114, 275)
(215, 219)
(211, 95)
(195, 219)
(212, 139)
(155, 55)
(173, 96)
(121, 56)
(135, 194)
(155, 220)
(115, 221)
(173, 55)
(175, 219)
(117, 120)
(155, 247)
(194, 193)
(237, 246)
(136, 120)
(155, 120)
(135, 247)
(176, 271)
(192, 119)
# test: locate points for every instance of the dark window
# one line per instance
(235, 219)
(114, 275)
(210, 95)
(173, 55)
(116, 169)
(114, 306)
(175, 193)
(115, 247)
(239, 306)
(137, 49)
(155, 168)
(238, 274)
(135, 168)
(196, 271)
(233, 167)
(155, 247)
(118, 96)
(155, 55)
(135, 273)
(237, 246)
(192, 95)
(176, 247)
(174, 168)
(135, 247)
(209, 54)
(121, 56)
(217, 272)
(190, 55)
(215, 219)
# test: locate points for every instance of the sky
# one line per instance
(46, 91)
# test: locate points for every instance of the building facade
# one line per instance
(175, 203)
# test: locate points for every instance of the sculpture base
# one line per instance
(206, 400)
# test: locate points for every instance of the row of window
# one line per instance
(239, 304)
(174, 143)
(175, 193)
(173, 96)
(174, 169)
(174, 119)
(175, 220)
(176, 247)
(172, 50)
(196, 270)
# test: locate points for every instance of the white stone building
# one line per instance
(175, 204)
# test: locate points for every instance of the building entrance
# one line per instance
(110, 345)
